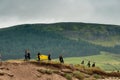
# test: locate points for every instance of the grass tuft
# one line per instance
(68, 76)
(78, 75)
(45, 71)
(97, 76)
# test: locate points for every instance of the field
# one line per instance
(106, 61)
(112, 42)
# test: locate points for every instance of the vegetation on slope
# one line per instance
(68, 39)
(106, 61)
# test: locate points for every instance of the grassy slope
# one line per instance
(67, 39)
(108, 62)
(114, 40)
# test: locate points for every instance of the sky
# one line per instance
(14, 12)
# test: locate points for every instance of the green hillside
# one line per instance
(68, 39)
(106, 61)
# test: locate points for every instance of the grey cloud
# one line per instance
(29, 11)
(107, 8)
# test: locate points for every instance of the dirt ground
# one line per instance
(25, 71)
(22, 70)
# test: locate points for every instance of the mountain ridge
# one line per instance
(68, 39)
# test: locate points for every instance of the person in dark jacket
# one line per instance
(82, 62)
(61, 59)
(49, 57)
(88, 64)
(26, 52)
(93, 65)
(28, 56)
(38, 56)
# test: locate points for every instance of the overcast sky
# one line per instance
(13, 12)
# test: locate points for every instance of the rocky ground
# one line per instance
(33, 70)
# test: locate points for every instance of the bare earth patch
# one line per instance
(33, 70)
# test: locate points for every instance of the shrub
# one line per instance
(41, 71)
(96, 70)
(45, 71)
(68, 76)
(49, 71)
(78, 75)
(97, 76)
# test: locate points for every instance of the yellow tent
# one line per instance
(43, 57)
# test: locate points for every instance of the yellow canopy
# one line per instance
(43, 57)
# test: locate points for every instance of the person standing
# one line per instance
(26, 51)
(93, 65)
(49, 57)
(38, 56)
(61, 59)
(82, 62)
(88, 64)
(28, 56)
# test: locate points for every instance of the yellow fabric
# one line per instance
(43, 57)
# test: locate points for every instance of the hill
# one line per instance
(33, 70)
(68, 39)
(106, 61)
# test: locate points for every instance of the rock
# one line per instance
(1, 73)
(10, 75)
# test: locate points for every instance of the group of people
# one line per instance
(27, 56)
(89, 64)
